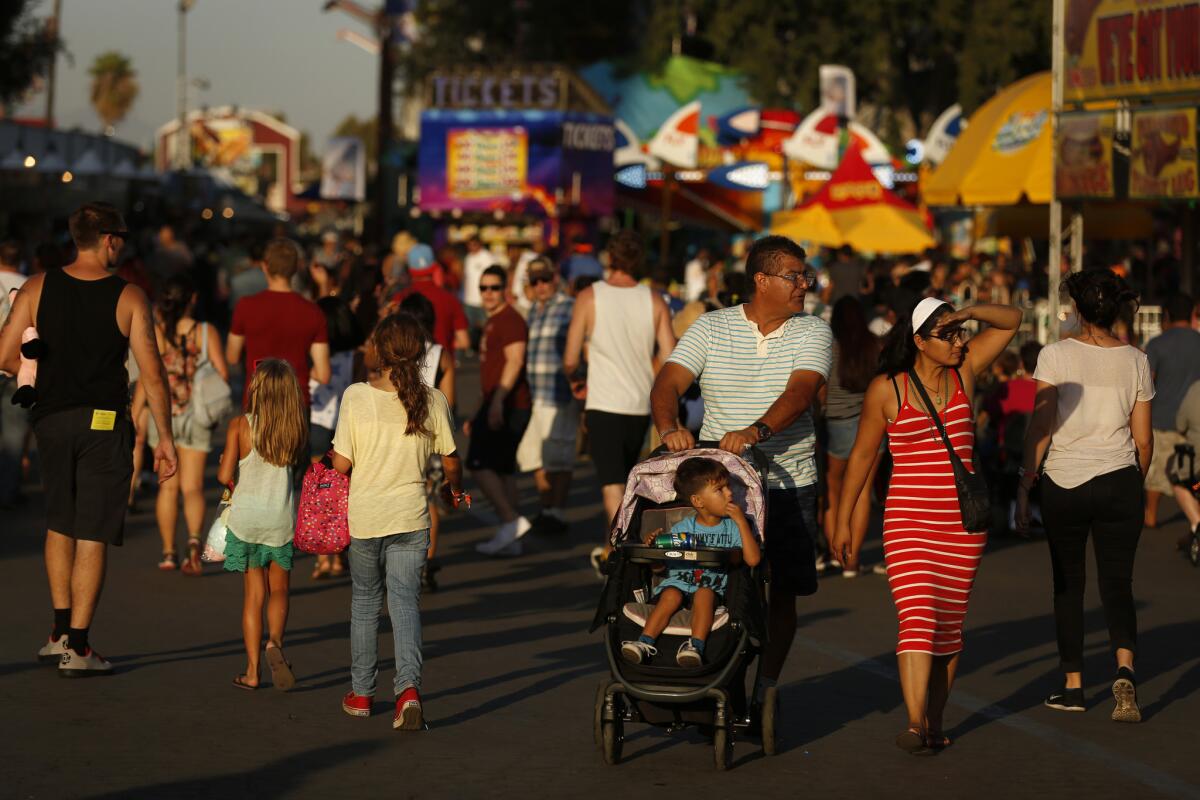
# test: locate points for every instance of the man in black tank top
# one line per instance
(87, 319)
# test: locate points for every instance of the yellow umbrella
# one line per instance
(1004, 155)
(853, 208)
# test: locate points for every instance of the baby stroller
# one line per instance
(659, 692)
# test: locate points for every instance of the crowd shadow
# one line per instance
(279, 778)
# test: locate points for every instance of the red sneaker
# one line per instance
(408, 711)
(356, 705)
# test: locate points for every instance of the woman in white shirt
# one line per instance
(1091, 422)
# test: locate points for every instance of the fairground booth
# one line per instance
(515, 155)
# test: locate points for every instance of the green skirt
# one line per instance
(241, 556)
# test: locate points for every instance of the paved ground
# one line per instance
(510, 673)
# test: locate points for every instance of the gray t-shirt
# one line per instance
(1175, 361)
(840, 402)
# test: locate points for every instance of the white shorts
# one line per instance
(549, 441)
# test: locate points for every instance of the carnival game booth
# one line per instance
(513, 149)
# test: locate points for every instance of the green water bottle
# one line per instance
(675, 541)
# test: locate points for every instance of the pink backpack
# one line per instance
(322, 525)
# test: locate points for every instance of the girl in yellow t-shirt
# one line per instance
(387, 428)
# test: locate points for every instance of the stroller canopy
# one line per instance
(654, 479)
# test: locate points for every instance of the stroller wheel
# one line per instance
(770, 714)
(722, 748)
(614, 736)
(598, 715)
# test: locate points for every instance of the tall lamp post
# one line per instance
(183, 156)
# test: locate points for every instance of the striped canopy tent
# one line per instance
(853, 208)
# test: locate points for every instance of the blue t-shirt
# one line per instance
(724, 535)
(1175, 361)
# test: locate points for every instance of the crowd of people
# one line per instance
(869, 386)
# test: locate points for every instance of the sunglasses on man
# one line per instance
(535, 280)
(491, 287)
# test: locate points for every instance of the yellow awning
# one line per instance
(1004, 155)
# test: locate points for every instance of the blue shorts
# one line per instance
(842, 433)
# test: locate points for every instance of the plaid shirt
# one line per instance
(548, 325)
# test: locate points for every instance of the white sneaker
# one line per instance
(879, 569)
(85, 665)
(506, 534)
(53, 650)
(849, 573)
(523, 526)
(688, 656)
(637, 652)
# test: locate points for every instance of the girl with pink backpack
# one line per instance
(387, 429)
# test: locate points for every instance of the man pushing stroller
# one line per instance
(718, 523)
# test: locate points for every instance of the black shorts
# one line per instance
(791, 526)
(496, 450)
(86, 473)
(615, 442)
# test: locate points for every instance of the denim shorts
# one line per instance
(842, 433)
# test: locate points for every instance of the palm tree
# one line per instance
(114, 88)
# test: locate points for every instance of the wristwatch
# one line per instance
(763, 430)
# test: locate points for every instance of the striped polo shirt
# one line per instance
(742, 372)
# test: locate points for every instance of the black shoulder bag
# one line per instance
(973, 497)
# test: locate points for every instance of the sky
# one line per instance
(270, 55)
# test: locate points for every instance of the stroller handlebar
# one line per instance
(752, 454)
(698, 557)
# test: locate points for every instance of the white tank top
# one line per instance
(429, 367)
(263, 507)
(621, 350)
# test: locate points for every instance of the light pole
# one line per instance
(183, 143)
(52, 28)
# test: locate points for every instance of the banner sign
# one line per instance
(1083, 164)
(1131, 48)
(517, 162)
(1162, 157)
(837, 90)
(344, 170)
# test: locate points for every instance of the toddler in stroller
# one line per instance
(719, 572)
(719, 523)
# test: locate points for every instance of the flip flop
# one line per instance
(913, 743)
(281, 670)
(240, 683)
(938, 742)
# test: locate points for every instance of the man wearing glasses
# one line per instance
(503, 416)
(760, 365)
(548, 449)
(87, 320)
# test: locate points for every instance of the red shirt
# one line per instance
(279, 325)
(448, 311)
(503, 328)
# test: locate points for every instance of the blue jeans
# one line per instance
(395, 560)
(14, 425)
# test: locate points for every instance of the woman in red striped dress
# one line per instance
(931, 559)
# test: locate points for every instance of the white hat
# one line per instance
(924, 310)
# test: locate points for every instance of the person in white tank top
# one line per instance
(627, 328)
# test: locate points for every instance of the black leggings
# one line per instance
(1110, 508)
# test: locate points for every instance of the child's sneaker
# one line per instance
(637, 652)
(356, 705)
(688, 656)
(408, 711)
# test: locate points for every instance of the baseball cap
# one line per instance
(420, 257)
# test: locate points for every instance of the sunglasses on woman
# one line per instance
(950, 334)
(535, 280)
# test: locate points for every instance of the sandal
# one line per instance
(320, 572)
(168, 562)
(937, 741)
(192, 566)
(240, 683)
(338, 569)
(913, 743)
(281, 669)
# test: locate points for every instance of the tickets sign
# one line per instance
(1130, 48)
(1083, 148)
(1162, 154)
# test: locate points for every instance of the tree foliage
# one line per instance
(27, 48)
(114, 87)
